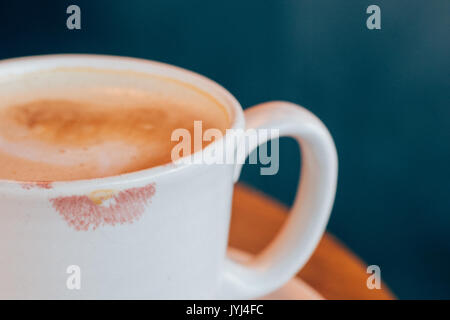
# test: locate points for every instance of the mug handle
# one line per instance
(303, 229)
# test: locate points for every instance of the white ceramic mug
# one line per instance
(177, 248)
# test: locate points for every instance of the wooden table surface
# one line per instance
(333, 270)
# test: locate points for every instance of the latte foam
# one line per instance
(70, 124)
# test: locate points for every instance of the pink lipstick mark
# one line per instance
(37, 185)
(104, 207)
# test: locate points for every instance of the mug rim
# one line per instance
(28, 64)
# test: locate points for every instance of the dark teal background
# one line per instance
(384, 95)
